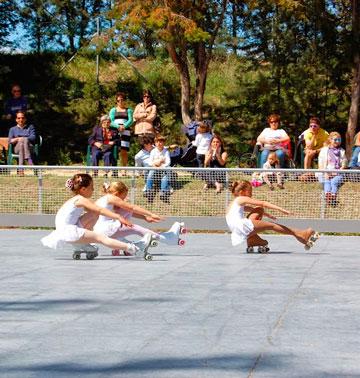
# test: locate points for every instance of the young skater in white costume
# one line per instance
(114, 199)
(247, 228)
(74, 226)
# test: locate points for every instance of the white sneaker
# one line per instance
(143, 244)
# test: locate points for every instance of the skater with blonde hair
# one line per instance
(114, 199)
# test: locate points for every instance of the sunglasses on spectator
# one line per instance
(314, 125)
(336, 139)
(147, 96)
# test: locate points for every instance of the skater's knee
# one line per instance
(256, 214)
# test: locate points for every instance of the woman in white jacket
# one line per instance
(332, 157)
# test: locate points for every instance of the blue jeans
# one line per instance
(155, 176)
(354, 158)
(332, 185)
(279, 153)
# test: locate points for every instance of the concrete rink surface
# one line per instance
(202, 310)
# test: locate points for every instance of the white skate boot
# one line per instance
(171, 237)
(140, 248)
(91, 251)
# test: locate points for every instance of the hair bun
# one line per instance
(69, 184)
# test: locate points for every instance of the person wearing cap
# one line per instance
(314, 138)
(102, 142)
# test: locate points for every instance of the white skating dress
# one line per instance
(239, 225)
(68, 228)
(106, 225)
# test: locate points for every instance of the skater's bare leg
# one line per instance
(123, 232)
(256, 214)
(93, 237)
(88, 220)
(301, 235)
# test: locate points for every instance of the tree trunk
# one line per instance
(180, 61)
(355, 87)
(201, 67)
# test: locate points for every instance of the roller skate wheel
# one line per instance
(76, 256)
(183, 230)
(148, 257)
(90, 255)
(115, 252)
(263, 249)
(181, 242)
(250, 250)
(154, 243)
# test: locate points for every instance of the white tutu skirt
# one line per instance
(240, 231)
(108, 228)
(59, 238)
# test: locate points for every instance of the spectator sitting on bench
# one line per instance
(102, 142)
(355, 157)
(273, 139)
(22, 137)
(314, 138)
(159, 158)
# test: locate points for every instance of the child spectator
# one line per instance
(332, 157)
(202, 142)
(159, 158)
(270, 177)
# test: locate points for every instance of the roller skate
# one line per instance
(311, 240)
(90, 250)
(171, 237)
(257, 241)
(140, 248)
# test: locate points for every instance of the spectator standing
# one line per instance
(273, 139)
(102, 142)
(159, 158)
(332, 157)
(216, 157)
(202, 142)
(354, 162)
(144, 116)
(314, 138)
(121, 118)
(22, 137)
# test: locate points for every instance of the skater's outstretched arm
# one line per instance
(91, 206)
(244, 200)
(137, 211)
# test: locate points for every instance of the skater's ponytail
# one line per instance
(238, 186)
(78, 181)
(116, 187)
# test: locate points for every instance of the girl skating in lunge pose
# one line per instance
(72, 226)
(247, 228)
(114, 199)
